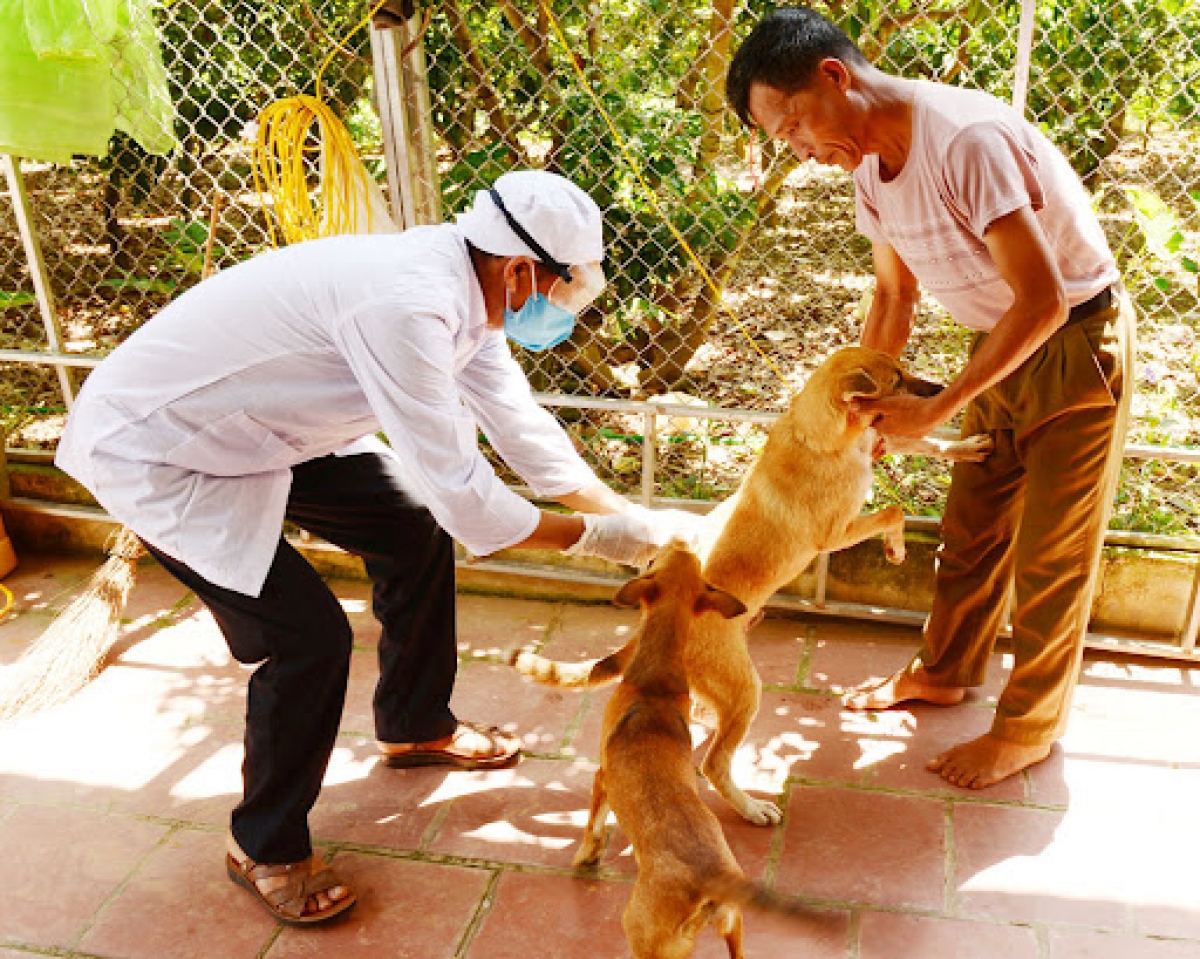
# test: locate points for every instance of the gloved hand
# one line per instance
(634, 535)
(669, 524)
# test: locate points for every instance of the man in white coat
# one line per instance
(256, 396)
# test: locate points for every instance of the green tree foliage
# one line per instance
(496, 74)
(1098, 69)
(507, 95)
(229, 58)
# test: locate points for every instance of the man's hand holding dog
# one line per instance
(906, 415)
(634, 535)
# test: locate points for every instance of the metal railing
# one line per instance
(467, 89)
(1183, 646)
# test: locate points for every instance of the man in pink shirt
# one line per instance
(961, 195)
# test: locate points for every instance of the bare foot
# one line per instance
(985, 761)
(900, 687)
(317, 903)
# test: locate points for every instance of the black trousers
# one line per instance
(297, 630)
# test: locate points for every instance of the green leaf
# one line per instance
(10, 298)
(1163, 283)
(611, 434)
(1157, 222)
(144, 284)
(196, 232)
(1190, 265)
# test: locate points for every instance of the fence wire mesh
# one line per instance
(1115, 84)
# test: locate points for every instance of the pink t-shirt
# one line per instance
(974, 159)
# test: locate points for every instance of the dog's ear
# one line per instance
(641, 590)
(718, 601)
(858, 383)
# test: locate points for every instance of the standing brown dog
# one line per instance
(804, 495)
(687, 877)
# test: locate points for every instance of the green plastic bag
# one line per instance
(72, 72)
(70, 29)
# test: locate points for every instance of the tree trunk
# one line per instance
(685, 91)
(478, 72)
(114, 233)
(537, 45)
(1107, 142)
(780, 166)
(961, 58)
(593, 32)
(714, 65)
(671, 349)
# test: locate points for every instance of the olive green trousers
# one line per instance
(1033, 515)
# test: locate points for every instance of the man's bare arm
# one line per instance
(560, 531)
(1022, 254)
(596, 498)
(889, 321)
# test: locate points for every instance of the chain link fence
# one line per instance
(121, 236)
(1114, 84)
(625, 98)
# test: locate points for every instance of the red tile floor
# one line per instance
(112, 806)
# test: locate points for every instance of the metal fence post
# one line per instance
(422, 157)
(649, 455)
(394, 120)
(1020, 96)
(402, 94)
(37, 269)
(1024, 55)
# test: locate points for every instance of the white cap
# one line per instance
(558, 215)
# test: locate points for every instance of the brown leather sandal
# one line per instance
(506, 750)
(287, 902)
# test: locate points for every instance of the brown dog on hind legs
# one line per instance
(687, 877)
(803, 496)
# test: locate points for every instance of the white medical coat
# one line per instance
(187, 432)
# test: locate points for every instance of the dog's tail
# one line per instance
(593, 672)
(734, 889)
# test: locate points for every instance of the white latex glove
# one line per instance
(634, 535)
(669, 524)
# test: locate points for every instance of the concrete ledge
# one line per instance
(1141, 603)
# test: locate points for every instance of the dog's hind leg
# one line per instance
(733, 722)
(728, 922)
(595, 834)
(661, 921)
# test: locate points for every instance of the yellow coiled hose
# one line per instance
(283, 153)
(281, 169)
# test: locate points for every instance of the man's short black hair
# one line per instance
(783, 52)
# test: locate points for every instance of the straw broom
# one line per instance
(71, 651)
(73, 648)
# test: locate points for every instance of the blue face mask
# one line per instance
(539, 324)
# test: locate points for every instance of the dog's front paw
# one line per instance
(761, 812)
(588, 857)
(894, 549)
(973, 449)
